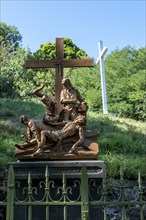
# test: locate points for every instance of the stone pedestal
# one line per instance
(34, 175)
(72, 169)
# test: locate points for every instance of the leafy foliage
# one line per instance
(15, 79)
(125, 72)
(125, 82)
(12, 71)
(10, 35)
(71, 51)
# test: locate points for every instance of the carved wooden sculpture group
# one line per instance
(61, 133)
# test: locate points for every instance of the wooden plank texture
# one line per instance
(78, 63)
(39, 64)
(59, 48)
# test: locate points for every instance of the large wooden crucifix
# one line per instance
(59, 63)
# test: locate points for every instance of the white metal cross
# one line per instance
(100, 60)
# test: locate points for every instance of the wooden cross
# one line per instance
(100, 60)
(59, 63)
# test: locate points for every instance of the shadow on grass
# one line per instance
(122, 144)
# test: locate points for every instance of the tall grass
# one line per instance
(121, 141)
(11, 128)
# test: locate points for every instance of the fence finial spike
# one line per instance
(47, 172)
(121, 173)
(29, 178)
(139, 179)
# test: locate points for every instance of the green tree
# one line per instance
(12, 71)
(10, 35)
(15, 79)
(125, 74)
(71, 51)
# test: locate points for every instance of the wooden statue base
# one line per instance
(88, 150)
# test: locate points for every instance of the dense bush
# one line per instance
(125, 72)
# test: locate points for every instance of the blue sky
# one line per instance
(117, 23)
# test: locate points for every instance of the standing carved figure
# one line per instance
(69, 98)
(52, 107)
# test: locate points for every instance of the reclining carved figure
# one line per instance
(70, 129)
(39, 134)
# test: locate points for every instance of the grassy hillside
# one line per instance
(122, 141)
(122, 144)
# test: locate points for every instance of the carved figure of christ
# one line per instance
(59, 63)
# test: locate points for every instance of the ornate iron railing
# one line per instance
(86, 193)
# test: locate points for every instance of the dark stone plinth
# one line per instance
(72, 169)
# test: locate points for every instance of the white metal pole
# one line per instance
(103, 83)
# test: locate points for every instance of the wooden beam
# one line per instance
(59, 67)
(78, 63)
(59, 48)
(65, 63)
(39, 64)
